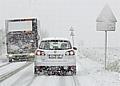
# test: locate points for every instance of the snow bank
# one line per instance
(92, 73)
(97, 54)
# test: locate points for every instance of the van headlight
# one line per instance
(10, 55)
(32, 54)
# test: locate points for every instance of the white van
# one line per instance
(55, 56)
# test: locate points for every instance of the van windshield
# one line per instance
(55, 45)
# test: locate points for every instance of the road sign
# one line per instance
(72, 34)
(106, 21)
(106, 26)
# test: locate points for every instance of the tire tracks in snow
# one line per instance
(76, 81)
(4, 65)
(7, 75)
(31, 81)
(68, 81)
(26, 77)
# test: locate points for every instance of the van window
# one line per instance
(55, 45)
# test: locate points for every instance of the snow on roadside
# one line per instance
(100, 79)
(92, 73)
(97, 54)
(86, 65)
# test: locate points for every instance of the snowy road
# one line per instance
(10, 67)
(55, 81)
(27, 78)
(9, 74)
(89, 73)
(4, 64)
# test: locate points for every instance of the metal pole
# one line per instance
(73, 40)
(105, 50)
(72, 35)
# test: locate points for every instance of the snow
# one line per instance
(22, 78)
(90, 72)
(3, 63)
(97, 54)
(93, 74)
(3, 59)
(10, 67)
(53, 81)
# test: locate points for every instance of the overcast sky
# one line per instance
(57, 16)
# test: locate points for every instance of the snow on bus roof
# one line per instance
(55, 38)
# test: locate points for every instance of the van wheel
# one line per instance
(10, 60)
(35, 71)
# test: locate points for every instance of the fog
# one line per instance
(57, 16)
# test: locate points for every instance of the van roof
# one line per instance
(55, 38)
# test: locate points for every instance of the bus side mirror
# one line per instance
(74, 48)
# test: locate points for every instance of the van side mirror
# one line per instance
(74, 48)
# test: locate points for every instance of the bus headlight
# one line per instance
(32, 54)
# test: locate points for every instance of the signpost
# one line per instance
(72, 34)
(106, 21)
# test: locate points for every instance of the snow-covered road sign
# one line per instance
(106, 20)
(106, 26)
